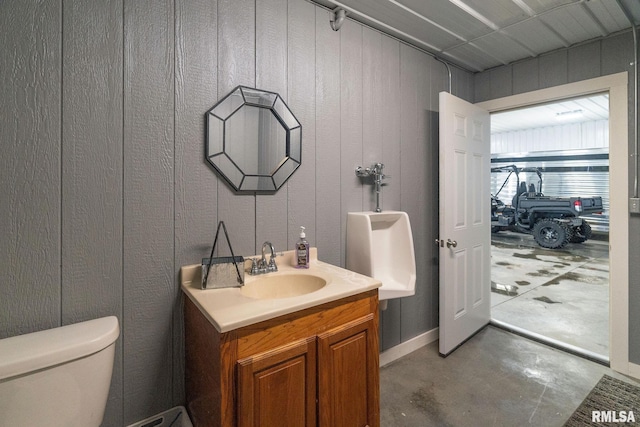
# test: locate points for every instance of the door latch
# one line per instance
(450, 243)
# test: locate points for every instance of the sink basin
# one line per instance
(282, 286)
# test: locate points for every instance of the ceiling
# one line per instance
(588, 108)
(479, 34)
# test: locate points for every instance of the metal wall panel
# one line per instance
(574, 136)
(565, 173)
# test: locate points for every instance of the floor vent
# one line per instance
(174, 417)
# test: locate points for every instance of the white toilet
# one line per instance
(380, 245)
(58, 377)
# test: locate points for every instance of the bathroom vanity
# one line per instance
(307, 359)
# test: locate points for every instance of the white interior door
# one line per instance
(465, 235)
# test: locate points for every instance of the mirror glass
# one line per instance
(253, 140)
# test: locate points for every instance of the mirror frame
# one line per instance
(219, 131)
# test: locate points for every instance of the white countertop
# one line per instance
(227, 309)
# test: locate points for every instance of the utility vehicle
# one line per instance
(553, 221)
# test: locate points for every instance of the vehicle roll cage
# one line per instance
(513, 169)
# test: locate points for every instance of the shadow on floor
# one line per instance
(496, 378)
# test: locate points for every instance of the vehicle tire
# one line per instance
(495, 229)
(582, 233)
(550, 234)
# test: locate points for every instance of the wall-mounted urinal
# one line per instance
(380, 245)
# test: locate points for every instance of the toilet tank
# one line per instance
(58, 377)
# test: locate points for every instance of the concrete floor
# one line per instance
(494, 379)
(562, 294)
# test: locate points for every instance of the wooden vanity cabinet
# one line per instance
(278, 387)
(315, 367)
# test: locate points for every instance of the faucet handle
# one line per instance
(272, 264)
(254, 266)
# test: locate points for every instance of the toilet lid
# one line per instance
(39, 350)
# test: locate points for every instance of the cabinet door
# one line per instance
(348, 375)
(278, 387)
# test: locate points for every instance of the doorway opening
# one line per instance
(617, 87)
(550, 234)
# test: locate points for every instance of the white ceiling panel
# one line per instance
(541, 6)
(595, 107)
(504, 48)
(395, 16)
(535, 35)
(448, 15)
(475, 59)
(481, 34)
(633, 7)
(609, 14)
(501, 12)
(573, 23)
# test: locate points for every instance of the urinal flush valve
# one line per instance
(375, 172)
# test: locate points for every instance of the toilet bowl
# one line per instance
(58, 377)
(380, 245)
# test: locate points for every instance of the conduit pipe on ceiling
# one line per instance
(446, 64)
(634, 30)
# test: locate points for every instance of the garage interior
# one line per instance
(558, 296)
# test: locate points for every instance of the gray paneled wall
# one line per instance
(105, 192)
(607, 56)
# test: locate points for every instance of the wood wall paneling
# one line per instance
(237, 66)
(301, 89)
(271, 74)
(30, 214)
(617, 55)
(423, 197)
(501, 81)
(462, 84)
(106, 192)
(196, 91)
(328, 138)
(482, 87)
(148, 270)
(372, 114)
(390, 117)
(411, 197)
(526, 76)
(584, 62)
(351, 122)
(92, 241)
(553, 69)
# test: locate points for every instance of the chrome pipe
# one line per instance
(446, 64)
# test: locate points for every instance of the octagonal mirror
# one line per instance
(253, 140)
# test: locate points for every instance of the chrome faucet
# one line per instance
(262, 266)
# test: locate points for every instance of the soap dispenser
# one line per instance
(302, 251)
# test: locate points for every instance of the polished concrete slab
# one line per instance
(494, 379)
(561, 294)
